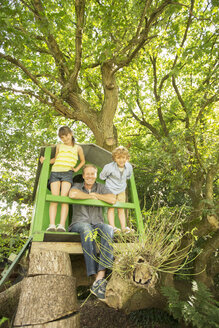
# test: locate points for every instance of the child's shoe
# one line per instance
(60, 228)
(116, 230)
(51, 227)
(128, 230)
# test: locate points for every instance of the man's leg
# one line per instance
(88, 245)
(106, 250)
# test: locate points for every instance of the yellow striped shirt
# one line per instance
(66, 159)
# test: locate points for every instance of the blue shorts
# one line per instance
(60, 176)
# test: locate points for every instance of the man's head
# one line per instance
(120, 156)
(89, 174)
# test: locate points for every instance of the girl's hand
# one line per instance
(42, 159)
(74, 169)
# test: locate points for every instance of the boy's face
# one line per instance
(120, 160)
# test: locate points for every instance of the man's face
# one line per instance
(90, 175)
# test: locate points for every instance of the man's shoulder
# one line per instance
(77, 185)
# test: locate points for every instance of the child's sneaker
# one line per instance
(60, 228)
(128, 230)
(51, 227)
(116, 230)
(99, 288)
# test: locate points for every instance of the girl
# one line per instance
(61, 176)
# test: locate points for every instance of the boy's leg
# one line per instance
(65, 187)
(55, 188)
(121, 212)
(122, 220)
(110, 216)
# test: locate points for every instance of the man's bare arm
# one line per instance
(108, 198)
(78, 194)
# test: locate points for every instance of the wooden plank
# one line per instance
(71, 248)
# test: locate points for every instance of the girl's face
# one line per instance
(67, 139)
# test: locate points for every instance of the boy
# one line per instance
(116, 174)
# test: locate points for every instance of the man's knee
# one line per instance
(106, 229)
(81, 227)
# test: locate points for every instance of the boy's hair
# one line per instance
(88, 165)
(120, 151)
(64, 130)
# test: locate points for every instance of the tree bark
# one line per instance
(48, 294)
(9, 300)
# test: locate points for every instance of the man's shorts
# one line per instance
(60, 176)
(121, 197)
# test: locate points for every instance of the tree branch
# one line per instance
(186, 30)
(27, 93)
(80, 9)
(180, 100)
(17, 63)
(143, 122)
(157, 97)
(50, 40)
(141, 35)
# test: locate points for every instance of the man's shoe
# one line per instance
(99, 288)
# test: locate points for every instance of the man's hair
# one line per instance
(88, 165)
(120, 151)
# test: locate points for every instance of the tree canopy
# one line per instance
(138, 73)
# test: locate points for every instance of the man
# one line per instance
(87, 219)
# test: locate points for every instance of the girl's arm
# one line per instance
(82, 159)
(52, 160)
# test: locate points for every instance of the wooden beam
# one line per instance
(71, 248)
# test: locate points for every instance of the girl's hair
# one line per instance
(120, 151)
(64, 130)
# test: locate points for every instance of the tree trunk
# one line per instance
(9, 300)
(48, 294)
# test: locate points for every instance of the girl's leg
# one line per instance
(121, 214)
(65, 187)
(55, 188)
(110, 216)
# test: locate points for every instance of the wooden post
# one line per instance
(48, 294)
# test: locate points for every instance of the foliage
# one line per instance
(159, 244)
(3, 321)
(153, 318)
(172, 95)
(201, 309)
(14, 233)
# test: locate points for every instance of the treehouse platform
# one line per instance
(70, 242)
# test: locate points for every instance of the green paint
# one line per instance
(40, 219)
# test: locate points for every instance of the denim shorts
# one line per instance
(60, 176)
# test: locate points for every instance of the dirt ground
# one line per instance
(96, 314)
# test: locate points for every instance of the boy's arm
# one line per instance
(104, 173)
(130, 171)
